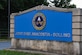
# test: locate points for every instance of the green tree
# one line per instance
(63, 3)
(3, 18)
(3, 4)
(20, 5)
(3, 13)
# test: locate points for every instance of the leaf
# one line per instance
(63, 4)
(1, 6)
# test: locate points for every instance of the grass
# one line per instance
(5, 52)
(4, 39)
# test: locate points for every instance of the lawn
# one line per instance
(5, 39)
(4, 52)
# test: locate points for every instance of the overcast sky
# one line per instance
(78, 3)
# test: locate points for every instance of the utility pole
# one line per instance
(8, 1)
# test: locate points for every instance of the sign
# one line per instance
(44, 25)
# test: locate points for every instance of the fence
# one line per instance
(3, 33)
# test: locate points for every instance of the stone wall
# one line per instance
(70, 48)
(77, 31)
(43, 45)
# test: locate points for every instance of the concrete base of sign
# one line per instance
(71, 48)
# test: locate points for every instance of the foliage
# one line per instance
(63, 4)
(3, 14)
(20, 5)
(1, 6)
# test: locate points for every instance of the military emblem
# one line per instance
(39, 21)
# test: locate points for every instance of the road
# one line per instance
(5, 44)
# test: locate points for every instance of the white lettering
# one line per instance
(44, 34)
(27, 33)
(19, 33)
(40, 34)
(61, 34)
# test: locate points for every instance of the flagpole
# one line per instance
(8, 18)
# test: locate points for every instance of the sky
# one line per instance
(78, 3)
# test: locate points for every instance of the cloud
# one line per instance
(78, 3)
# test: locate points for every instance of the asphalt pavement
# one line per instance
(5, 45)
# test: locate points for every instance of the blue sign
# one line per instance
(44, 25)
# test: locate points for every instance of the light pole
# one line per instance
(8, 1)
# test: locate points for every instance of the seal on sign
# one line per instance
(39, 21)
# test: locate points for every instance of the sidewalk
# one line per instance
(5, 44)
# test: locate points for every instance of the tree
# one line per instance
(63, 3)
(20, 5)
(3, 4)
(3, 14)
(3, 18)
